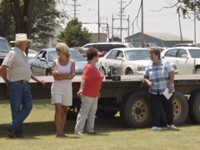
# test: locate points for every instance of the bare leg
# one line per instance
(58, 118)
(63, 119)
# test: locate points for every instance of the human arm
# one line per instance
(61, 76)
(171, 81)
(37, 80)
(149, 83)
(79, 93)
(3, 72)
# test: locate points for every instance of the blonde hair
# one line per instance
(63, 48)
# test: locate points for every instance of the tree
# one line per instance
(40, 24)
(74, 34)
(186, 6)
(44, 22)
(7, 27)
(22, 11)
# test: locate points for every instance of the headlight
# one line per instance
(141, 68)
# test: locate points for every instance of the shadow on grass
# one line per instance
(36, 129)
(103, 126)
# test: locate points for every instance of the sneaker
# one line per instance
(154, 128)
(171, 126)
(79, 133)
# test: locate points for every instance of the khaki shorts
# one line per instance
(61, 95)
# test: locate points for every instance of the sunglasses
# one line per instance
(58, 50)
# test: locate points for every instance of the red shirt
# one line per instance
(93, 79)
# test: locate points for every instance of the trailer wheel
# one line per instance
(135, 110)
(194, 107)
(73, 112)
(106, 113)
(180, 109)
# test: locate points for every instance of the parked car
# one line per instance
(42, 63)
(126, 61)
(80, 50)
(4, 48)
(185, 45)
(31, 53)
(105, 47)
(187, 59)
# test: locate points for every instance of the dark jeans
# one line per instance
(21, 105)
(156, 102)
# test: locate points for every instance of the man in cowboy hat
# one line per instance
(16, 72)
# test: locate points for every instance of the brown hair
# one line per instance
(91, 53)
(156, 51)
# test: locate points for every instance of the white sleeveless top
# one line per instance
(63, 69)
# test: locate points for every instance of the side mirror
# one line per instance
(119, 58)
(184, 56)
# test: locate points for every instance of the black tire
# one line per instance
(48, 73)
(135, 110)
(180, 109)
(194, 105)
(128, 72)
(72, 112)
(197, 71)
(101, 113)
(102, 71)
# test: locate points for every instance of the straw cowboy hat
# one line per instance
(21, 37)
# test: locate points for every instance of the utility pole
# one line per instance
(121, 13)
(98, 21)
(195, 37)
(75, 8)
(180, 26)
(121, 19)
(142, 24)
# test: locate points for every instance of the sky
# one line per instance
(155, 19)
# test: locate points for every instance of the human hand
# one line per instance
(79, 93)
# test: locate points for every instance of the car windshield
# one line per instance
(137, 55)
(76, 56)
(195, 53)
(52, 56)
(4, 46)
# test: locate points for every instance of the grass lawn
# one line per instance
(111, 134)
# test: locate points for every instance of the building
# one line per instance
(160, 39)
(93, 29)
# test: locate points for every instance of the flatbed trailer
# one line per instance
(130, 97)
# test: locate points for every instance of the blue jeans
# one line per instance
(21, 105)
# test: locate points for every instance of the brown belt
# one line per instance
(23, 81)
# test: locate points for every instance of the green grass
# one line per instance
(111, 134)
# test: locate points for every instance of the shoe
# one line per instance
(10, 133)
(154, 128)
(79, 133)
(172, 126)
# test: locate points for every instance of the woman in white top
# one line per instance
(63, 70)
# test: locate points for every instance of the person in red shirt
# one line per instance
(89, 92)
